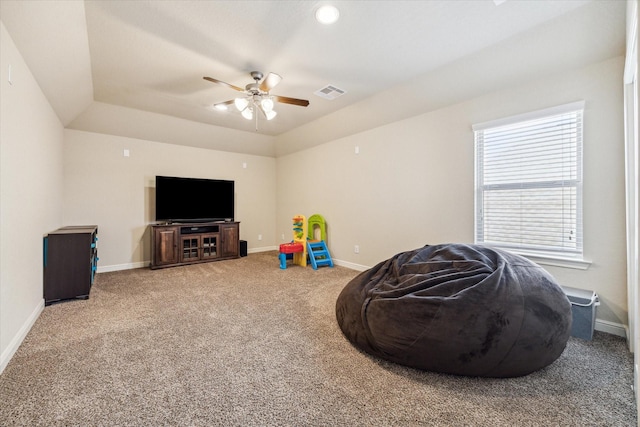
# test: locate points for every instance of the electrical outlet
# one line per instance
(282, 236)
(356, 249)
(259, 236)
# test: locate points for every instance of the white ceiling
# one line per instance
(152, 55)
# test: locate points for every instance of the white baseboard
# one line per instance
(263, 249)
(636, 382)
(119, 267)
(612, 328)
(20, 336)
(351, 265)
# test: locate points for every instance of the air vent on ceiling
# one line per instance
(329, 92)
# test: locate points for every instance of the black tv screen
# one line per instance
(193, 199)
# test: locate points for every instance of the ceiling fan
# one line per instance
(256, 96)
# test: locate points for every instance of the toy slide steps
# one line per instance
(319, 254)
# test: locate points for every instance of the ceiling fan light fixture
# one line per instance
(267, 104)
(270, 114)
(247, 113)
(327, 14)
(241, 103)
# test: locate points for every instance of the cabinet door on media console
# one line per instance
(230, 236)
(190, 247)
(165, 245)
(209, 248)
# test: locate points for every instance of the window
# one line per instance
(529, 182)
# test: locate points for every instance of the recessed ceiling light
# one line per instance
(327, 14)
(221, 107)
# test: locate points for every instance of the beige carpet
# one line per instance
(243, 343)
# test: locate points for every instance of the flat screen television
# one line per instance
(194, 199)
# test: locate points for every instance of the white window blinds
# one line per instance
(529, 181)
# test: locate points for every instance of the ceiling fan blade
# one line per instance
(225, 103)
(270, 82)
(292, 101)
(212, 80)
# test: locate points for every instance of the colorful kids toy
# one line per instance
(305, 244)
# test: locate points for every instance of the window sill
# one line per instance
(556, 261)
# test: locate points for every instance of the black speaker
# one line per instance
(243, 248)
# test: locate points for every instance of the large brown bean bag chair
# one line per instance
(458, 309)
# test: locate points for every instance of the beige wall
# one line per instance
(412, 182)
(117, 193)
(30, 194)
